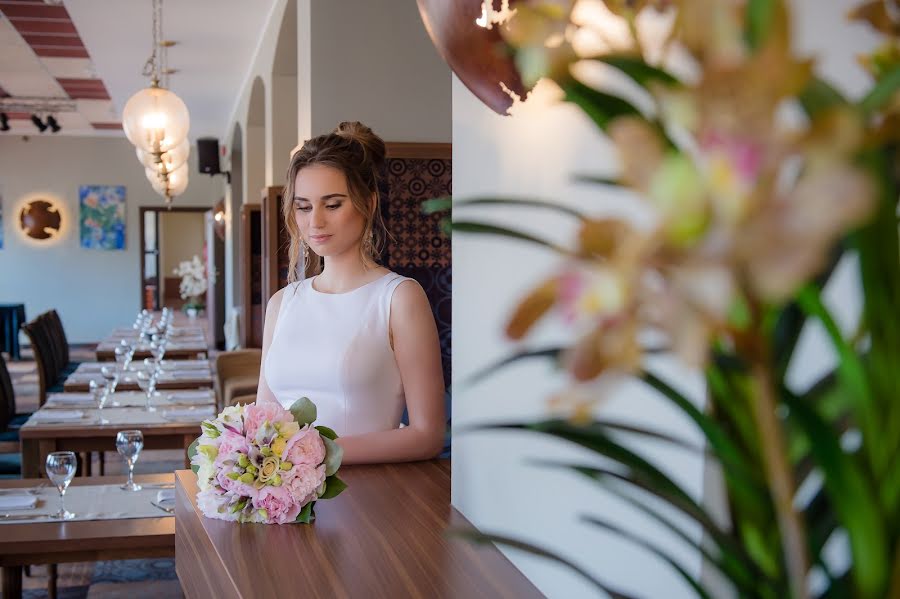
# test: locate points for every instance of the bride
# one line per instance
(358, 340)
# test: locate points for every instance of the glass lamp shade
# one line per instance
(178, 180)
(171, 159)
(155, 179)
(155, 120)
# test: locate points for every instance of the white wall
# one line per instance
(372, 61)
(93, 290)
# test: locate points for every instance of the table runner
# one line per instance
(91, 502)
(132, 399)
(131, 417)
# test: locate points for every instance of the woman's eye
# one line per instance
(304, 208)
(333, 206)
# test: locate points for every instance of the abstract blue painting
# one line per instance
(102, 209)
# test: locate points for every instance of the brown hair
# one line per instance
(356, 151)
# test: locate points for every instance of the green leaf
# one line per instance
(882, 92)
(819, 96)
(304, 411)
(854, 501)
(548, 352)
(651, 548)
(531, 203)
(333, 487)
(597, 180)
(639, 71)
(486, 538)
(326, 432)
(334, 453)
(730, 562)
(759, 17)
(435, 205)
(488, 229)
(601, 107)
(191, 452)
(307, 514)
(850, 368)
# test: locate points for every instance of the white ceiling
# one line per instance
(216, 43)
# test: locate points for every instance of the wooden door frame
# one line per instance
(141, 211)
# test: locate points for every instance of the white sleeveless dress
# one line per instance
(334, 348)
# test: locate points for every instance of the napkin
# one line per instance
(200, 394)
(188, 413)
(58, 415)
(190, 374)
(185, 365)
(70, 398)
(17, 501)
(166, 498)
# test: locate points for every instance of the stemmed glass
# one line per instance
(100, 393)
(146, 380)
(60, 470)
(111, 376)
(129, 444)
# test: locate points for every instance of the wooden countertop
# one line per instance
(382, 537)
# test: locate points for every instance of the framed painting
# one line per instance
(102, 216)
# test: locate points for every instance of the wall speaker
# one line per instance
(208, 155)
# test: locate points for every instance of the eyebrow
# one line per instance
(324, 197)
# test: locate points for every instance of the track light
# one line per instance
(4, 121)
(51, 122)
(38, 123)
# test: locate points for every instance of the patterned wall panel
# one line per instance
(419, 249)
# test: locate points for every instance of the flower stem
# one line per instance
(780, 477)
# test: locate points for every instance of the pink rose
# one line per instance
(229, 445)
(257, 413)
(304, 481)
(278, 503)
(234, 486)
(306, 447)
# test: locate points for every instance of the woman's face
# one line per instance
(329, 222)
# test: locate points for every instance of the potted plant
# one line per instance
(193, 285)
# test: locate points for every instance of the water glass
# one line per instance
(129, 444)
(100, 393)
(60, 470)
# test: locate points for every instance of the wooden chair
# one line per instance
(57, 335)
(237, 374)
(10, 460)
(43, 358)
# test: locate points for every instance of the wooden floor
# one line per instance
(105, 580)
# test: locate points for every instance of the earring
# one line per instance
(304, 249)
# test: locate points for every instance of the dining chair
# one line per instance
(10, 459)
(237, 374)
(61, 343)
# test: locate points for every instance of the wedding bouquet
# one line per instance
(263, 463)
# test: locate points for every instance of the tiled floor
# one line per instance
(127, 579)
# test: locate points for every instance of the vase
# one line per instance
(192, 312)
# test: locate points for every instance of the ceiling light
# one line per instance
(156, 121)
(54, 126)
(38, 123)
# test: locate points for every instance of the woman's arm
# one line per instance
(418, 354)
(263, 393)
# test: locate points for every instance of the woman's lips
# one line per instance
(319, 238)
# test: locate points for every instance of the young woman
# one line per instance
(358, 340)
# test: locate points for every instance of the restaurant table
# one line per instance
(81, 381)
(384, 536)
(56, 542)
(38, 439)
(106, 351)
(12, 316)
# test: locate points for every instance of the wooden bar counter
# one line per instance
(382, 537)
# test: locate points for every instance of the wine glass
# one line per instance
(60, 470)
(99, 394)
(146, 380)
(111, 376)
(129, 444)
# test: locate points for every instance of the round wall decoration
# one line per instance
(40, 219)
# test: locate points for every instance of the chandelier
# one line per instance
(156, 121)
